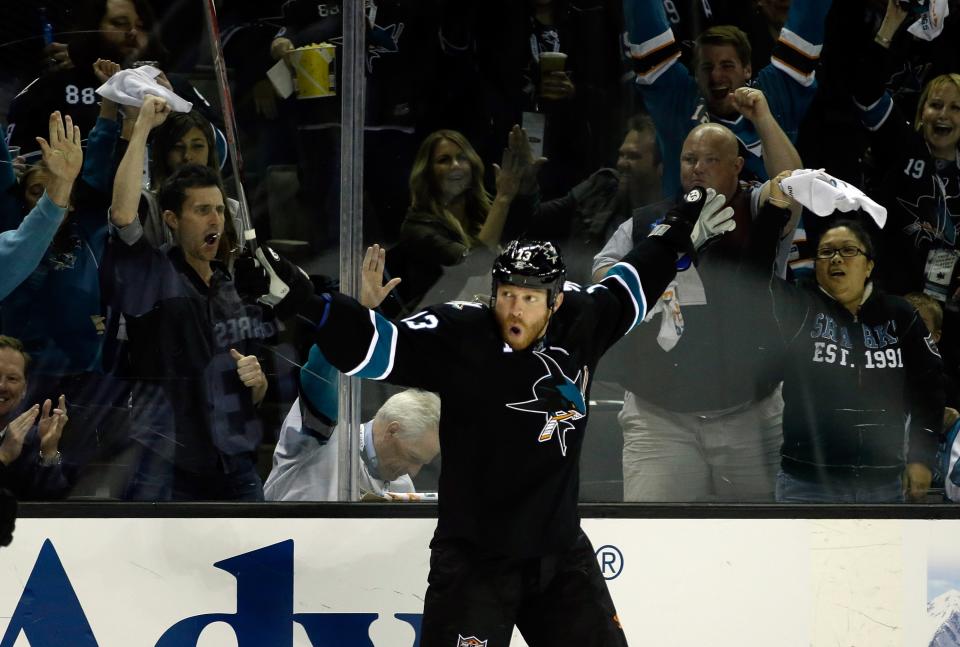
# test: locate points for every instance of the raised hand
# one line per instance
(713, 218)
(15, 433)
(519, 145)
(250, 373)
(104, 69)
(697, 217)
(508, 174)
(372, 288)
(164, 81)
(50, 427)
(777, 196)
(58, 57)
(62, 155)
(751, 103)
(153, 112)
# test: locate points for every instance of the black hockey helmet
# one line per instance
(530, 264)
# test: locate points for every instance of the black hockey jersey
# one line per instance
(921, 244)
(512, 422)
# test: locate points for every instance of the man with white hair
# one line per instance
(402, 437)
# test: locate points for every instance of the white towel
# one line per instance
(131, 87)
(671, 320)
(823, 194)
(930, 23)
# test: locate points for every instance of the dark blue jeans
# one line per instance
(157, 479)
(793, 490)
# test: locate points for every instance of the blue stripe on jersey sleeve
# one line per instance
(383, 346)
(873, 116)
(625, 275)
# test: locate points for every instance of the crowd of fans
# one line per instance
(804, 355)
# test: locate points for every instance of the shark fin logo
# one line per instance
(471, 641)
(932, 219)
(383, 40)
(558, 399)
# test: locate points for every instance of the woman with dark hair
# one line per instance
(451, 214)
(862, 382)
(184, 138)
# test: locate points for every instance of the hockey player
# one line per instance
(514, 379)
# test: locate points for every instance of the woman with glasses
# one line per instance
(862, 381)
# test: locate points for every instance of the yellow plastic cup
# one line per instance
(315, 70)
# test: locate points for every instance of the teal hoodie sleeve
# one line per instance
(22, 249)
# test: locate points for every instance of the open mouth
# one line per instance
(942, 130)
(211, 239)
(836, 273)
(719, 93)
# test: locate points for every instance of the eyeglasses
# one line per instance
(847, 251)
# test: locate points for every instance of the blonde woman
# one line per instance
(917, 175)
(452, 217)
(451, 213)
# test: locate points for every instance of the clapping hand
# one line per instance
(15, 433)
(372, 288)
(50, 427)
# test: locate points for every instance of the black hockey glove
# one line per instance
(273, 281)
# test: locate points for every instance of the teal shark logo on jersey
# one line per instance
(932, 220)
(558, 399)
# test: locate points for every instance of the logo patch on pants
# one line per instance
(472, 641)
